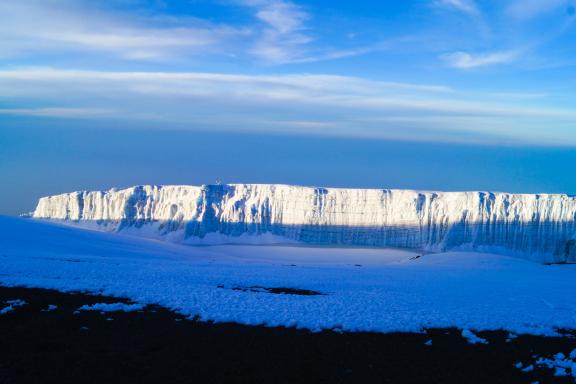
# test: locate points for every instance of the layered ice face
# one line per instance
(536, 226)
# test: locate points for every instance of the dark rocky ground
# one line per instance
(158, 346)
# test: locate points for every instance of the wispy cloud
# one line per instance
(467, 6)
(279, 32)
(72, 33)
(465, 60)
(72, 113)
(63, 26)
(318, 104)
(201, 82)
(283, 36)
(528, 9)
(282, 16)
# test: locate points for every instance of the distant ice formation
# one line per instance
(541, 227)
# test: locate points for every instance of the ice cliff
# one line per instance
(536, 226)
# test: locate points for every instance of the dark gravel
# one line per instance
(159, 346)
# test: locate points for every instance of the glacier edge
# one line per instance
(540, 227)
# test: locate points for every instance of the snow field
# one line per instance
(362, 289)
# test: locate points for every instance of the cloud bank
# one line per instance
(303, 104)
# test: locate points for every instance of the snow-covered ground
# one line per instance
(361, 289)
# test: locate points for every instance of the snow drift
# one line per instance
(537, 226)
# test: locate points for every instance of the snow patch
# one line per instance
(12, 305)
(473, 338)
(114, 307)
(561, 364)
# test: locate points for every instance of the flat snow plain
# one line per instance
(363, 289)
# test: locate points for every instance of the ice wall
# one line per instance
(540, 227)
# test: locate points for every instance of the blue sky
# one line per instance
(447, 74)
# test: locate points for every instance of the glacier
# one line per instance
(540, 227)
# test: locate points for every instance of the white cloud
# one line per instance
(282, 16)
(186, 82)
(278, 34)
(317, 104)
(528, 9)
(465, 60)
(58, 112)
(286, 37)
(283, 38)
(467, 6)
(64, 26)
